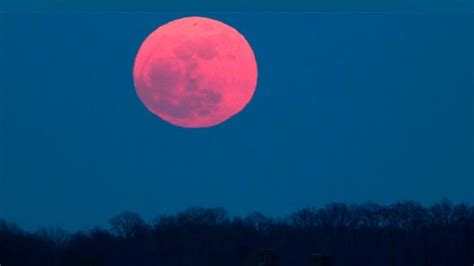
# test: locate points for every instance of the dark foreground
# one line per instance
(404, 233)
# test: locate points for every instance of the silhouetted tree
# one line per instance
(369, 234)
(128, 225)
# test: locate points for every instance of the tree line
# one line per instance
(400, 234)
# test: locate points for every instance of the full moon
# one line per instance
(195, 72)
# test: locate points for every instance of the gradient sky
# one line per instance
(349, 107)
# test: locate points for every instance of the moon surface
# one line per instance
(195, 72)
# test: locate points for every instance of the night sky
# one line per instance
(349, 107)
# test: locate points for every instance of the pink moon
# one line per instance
(195, 72)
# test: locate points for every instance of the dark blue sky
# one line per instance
(349, 107)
